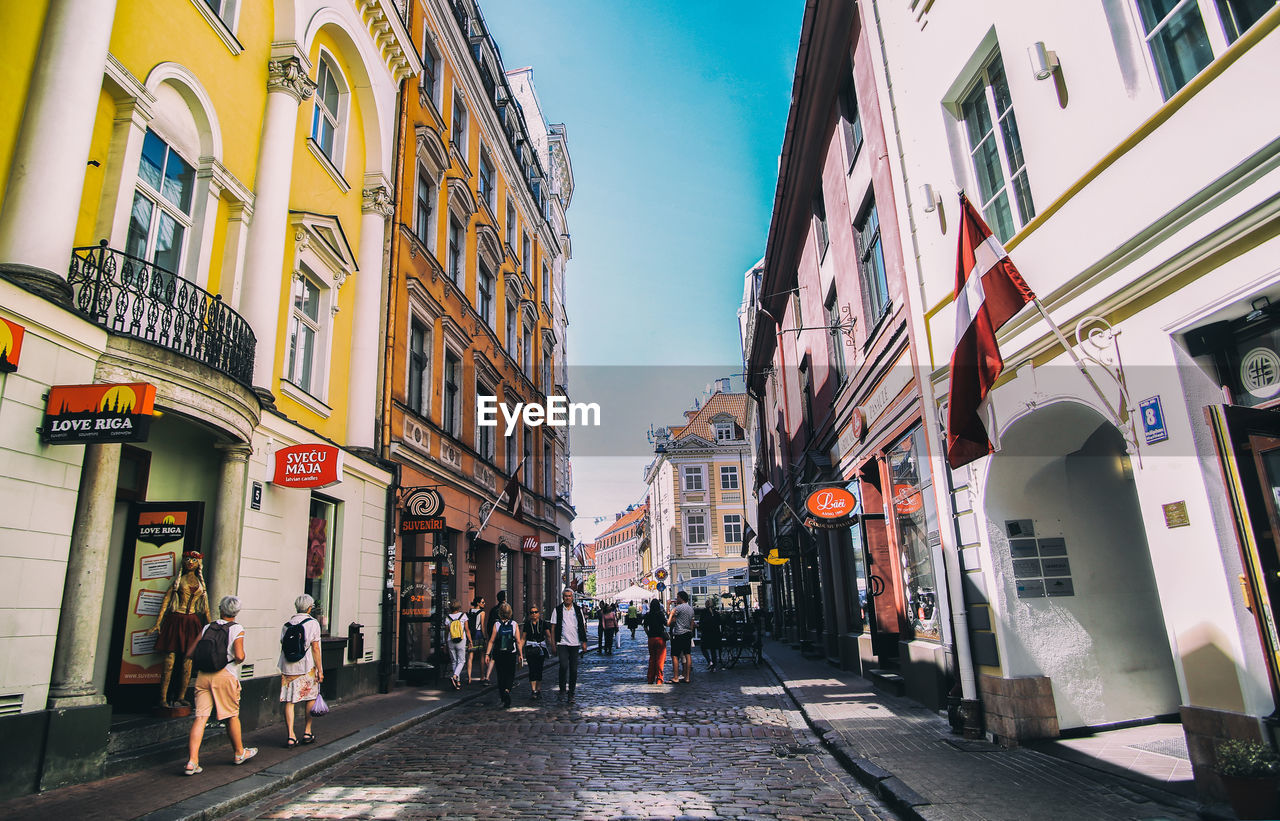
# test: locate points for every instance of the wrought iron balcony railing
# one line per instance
(131, 297)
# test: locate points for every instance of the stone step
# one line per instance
(887, 681)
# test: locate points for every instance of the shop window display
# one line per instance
(321, 533)
(916, 523)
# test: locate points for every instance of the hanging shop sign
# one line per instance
(774, 559)
(1154, 428)
(308, 466)
(83, 414)
(550, 550)
(831, 503)
(421, 510)
(11, 334)
(529, 544)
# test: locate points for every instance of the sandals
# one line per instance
(308, 738)
(292, 742)
(249, 752)
(192, 769)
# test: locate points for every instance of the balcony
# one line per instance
(131, 297)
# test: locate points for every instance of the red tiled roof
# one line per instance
(734, 404)
(627, 519)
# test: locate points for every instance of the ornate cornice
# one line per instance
(287, 74)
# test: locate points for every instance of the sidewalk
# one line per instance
(163, 793)
(913, 761)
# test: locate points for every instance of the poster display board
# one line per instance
(159, 533)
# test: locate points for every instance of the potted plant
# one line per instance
(1250, 772)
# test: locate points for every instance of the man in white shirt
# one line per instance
(569, 626)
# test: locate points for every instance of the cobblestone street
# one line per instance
(728, 746)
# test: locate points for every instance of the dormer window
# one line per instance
(724, 432)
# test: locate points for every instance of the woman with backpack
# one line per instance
(459, 641)
(475, 618)
(301, 670)
(536, 632)
(216, 654)
(505, 650)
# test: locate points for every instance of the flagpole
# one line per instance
(496, 502)
(1080, 365)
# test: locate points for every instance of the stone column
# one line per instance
(362, 381)
(46, 180)
(287, 86)
(223, 576)
(71, 684)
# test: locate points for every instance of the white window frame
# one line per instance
(161, 204)
(511, 452)
(731, 520)
(425, 382)
(513, 330)
(486, 308)
(1219, 33)
(729, 477)
(485, 442)
(695, 532)
(430, 90)
(689, 471)
(315, 381)
(487, 184)
(336, 155)
(982, 81)
(694, 588)
(511, 224)
(423, 231)
(456, 252)
(446, 404)
(724, 432)
(459, 128)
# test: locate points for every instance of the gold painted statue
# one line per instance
(183, 613)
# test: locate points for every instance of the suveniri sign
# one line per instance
(308, 466)
(422, 510)
(83, 414)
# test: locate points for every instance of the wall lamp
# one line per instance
(931, 199)
(1043, 62)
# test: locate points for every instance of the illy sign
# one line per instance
(831, 503)
(308, 466)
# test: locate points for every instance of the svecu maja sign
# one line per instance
(308, 466)
(831, 503)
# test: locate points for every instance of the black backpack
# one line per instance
(506, 637)
(210, 653)
(293, 644)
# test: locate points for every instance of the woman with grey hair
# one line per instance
(218, 688)
(301, 672)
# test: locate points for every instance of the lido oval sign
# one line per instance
(831, 503)
(308, 466)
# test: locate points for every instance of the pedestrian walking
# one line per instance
(569, 626)
(505, 651)
(217, 661)
(681, 623)
(536, 632)
(301, 670)
(475, 620)
(493, 619)
(709, 628)
(609, 626)
(458, 632)
(633, 619)
(655, 627)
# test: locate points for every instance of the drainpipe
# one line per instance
(970, 704)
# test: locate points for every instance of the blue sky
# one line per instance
(675, 111)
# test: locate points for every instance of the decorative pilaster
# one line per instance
(75, 653)
(363, 374)
(289, 75)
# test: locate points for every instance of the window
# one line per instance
(729, 477)
(484, 433)
(724, 432)
(998, 163)
(850, 121)
(454, 262)
(430, 79)
(526, 355)
(695, 528)
(484, 294)
(511, 449)
(525, 250)
(422, 207)
(546, 373)
(875, 286)
(820, 231)
(732, 529)
(458, 134)
(511, 225)
(835, 337)
(527, 480)
(326, 118)
(806, 397)
(1238, 16)
(161, 215)
(548, 488)
(916, 524)
(546, 285)
(322, 532)
(452, 410)
(512, 320)
(419, 392)
(692, 477)
(484, 180)
(304, 332)
(696, 589)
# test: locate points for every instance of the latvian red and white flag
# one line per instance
(989, 291)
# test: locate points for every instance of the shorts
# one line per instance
(219, 690)
(682, 644)
(305, 687)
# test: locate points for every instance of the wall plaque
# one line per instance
(1175, 515)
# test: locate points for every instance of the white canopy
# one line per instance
(634, 593)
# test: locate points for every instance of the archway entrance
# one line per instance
(1076, 598)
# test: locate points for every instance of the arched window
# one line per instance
(160, 218)
(328, 119)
